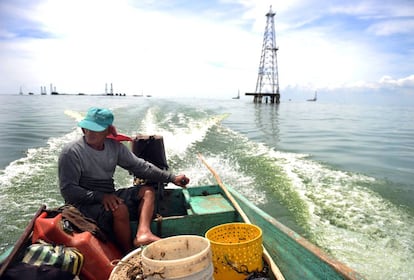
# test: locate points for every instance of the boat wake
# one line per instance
(337, 210)
(352, 222)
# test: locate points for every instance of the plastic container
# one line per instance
(97, 254)
(183, 257)
(236, 250)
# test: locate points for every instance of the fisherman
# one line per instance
(86, 169)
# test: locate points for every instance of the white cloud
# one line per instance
(390, 27)
(82, 45)
(136, 50)
(403, 82)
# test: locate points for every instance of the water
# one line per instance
(339, 174)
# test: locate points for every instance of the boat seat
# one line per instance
(193, 210)
(207, 204)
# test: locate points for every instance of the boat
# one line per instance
(314, 98)
(193, 211)
(238, 95)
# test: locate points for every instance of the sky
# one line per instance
(205, 48)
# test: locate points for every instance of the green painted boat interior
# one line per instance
(191, 211)
(197, 209)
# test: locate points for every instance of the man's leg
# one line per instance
(144, 235)
(114, 224)
(122, 227)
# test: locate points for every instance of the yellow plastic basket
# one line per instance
(237, 250)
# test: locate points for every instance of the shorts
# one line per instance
(104, 218)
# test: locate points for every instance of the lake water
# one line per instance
(339, 174)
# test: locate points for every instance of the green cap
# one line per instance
(97, 119)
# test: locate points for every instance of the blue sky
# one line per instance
(205, 48)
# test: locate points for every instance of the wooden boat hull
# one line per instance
(207, 206)
(197, 209)
(296, 257)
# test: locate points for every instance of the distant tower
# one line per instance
(267, 84)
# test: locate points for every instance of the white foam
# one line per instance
(351, 221)
(179, 136)
(36, 161)
(229, 172)
(345, 217)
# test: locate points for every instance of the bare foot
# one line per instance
(145, 239)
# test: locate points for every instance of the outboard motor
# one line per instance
(151, 148)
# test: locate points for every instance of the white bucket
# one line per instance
(184, 257)
(122, 267)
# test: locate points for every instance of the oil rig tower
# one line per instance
(267, 84)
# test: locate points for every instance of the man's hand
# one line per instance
(111, 202)
(181, 180)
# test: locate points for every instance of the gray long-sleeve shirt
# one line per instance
(86, 174)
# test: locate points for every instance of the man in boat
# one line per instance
(86, 169)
